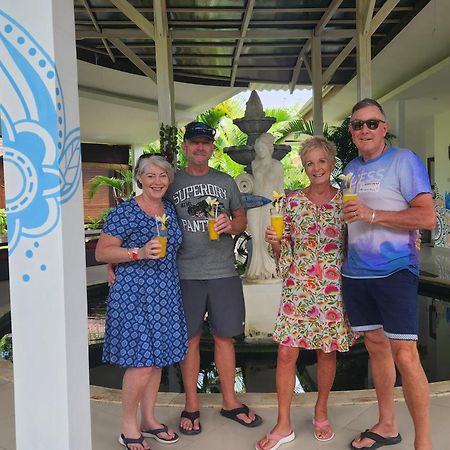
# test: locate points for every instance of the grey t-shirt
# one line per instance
(199, 258)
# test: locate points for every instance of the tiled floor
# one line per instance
(348, 415)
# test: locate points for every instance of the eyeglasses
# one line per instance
(372, 124)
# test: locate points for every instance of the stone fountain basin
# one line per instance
(254, 126)
(245, 154)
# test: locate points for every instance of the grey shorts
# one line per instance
(222, 299)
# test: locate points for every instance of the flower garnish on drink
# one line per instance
(348, 195)
(213, 207)
(162, 223)
(277, 199)
(276, 218)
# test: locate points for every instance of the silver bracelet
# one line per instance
(372, 218)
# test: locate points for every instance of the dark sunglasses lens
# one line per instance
(372, 124)
(357, 124)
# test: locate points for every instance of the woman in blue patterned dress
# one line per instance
(145, 326)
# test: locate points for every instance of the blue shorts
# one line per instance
(389, 303)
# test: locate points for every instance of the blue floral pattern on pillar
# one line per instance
(43, 156)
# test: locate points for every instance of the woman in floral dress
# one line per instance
(311, 315)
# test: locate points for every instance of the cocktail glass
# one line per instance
(277, 222)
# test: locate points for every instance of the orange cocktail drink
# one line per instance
(213, 235)
(350, 197)
(163, 239)
(276, 220)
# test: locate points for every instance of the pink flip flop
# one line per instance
(322, 424)
(279, 439)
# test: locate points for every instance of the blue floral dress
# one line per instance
(145, 323)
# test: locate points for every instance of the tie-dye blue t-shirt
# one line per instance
(386, 183)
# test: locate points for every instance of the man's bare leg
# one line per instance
(224, 357)
(189, 370)
(383, 374)
(415, 390)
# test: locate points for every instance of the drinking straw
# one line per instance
(157, 227)
(215, 211)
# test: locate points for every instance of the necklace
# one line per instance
(319, 198)
(151, 209)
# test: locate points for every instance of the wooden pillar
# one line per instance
(317, 85)
(364, 11)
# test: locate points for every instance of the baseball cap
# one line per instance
(199, 129)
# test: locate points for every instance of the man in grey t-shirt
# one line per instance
(209, 281)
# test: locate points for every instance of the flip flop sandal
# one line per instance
(191, 416)
(279, 439)
(380, 441)
(232, 414)
(164, 429)
(322, 424)
(125, 441)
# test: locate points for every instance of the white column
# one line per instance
(40, 124)
(364, 10)
(316, 64)
(164, 68)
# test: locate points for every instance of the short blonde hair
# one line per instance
(158, 161)
(318, 142)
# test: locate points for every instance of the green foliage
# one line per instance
(345, 148)
(294, 175)
(3, 223)
(96, 223)
(122, 184)
(6, 347)
(221, 161)
(168, 141)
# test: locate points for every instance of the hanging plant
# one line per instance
(168, 141)
(3, 224)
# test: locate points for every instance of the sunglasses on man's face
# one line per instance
(372, 124)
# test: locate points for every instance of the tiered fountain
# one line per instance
(253, 124)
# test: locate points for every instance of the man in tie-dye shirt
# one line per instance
(380, 274)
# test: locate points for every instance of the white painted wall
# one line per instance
(442, 161)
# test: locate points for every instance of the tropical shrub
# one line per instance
(3, 224)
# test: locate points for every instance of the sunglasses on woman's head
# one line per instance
(372, 124)
(149, 155)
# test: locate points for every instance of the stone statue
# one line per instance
(261, 158)
(268, 176)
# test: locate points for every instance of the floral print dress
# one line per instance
(311, 313)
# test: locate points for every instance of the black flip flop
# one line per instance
(192, 416)
(125, 441)
(164, 429)
(232, 414)
(380, 441)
